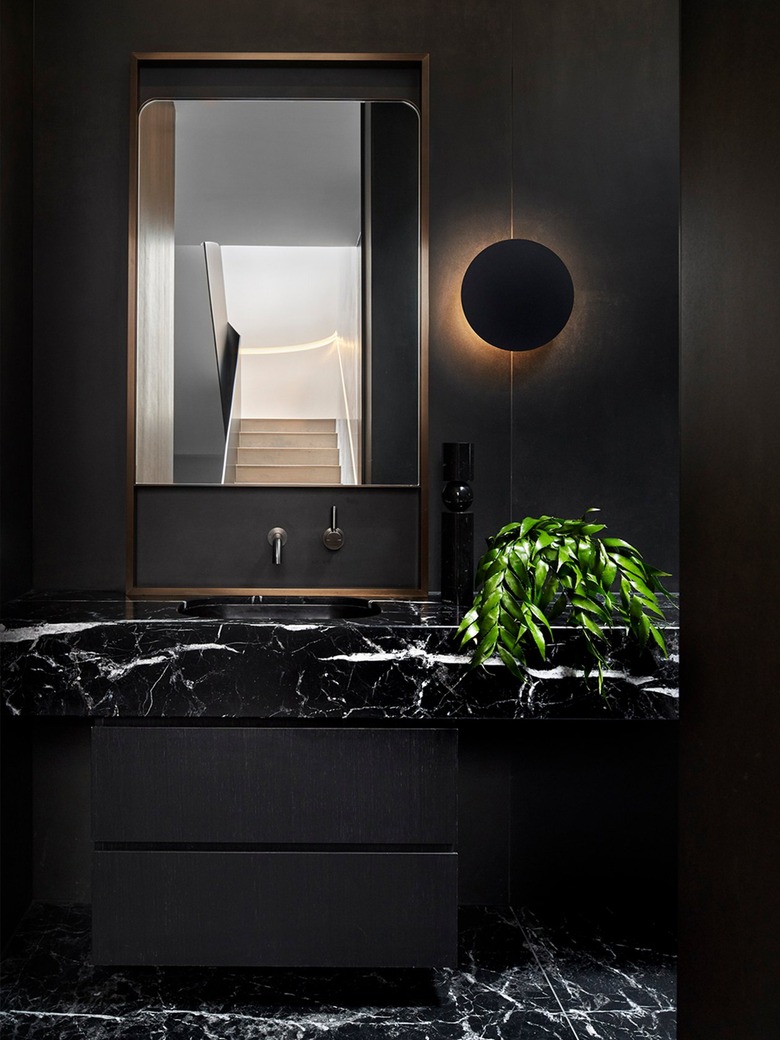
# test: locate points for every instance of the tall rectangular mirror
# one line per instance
(278, 304)
(278, 292)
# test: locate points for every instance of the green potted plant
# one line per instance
(547, 568)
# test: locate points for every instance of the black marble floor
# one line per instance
(521, 977)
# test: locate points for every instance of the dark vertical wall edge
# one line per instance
(730, 780)
(16, 71)
(594, 820)
(16, 843)
(16, 54)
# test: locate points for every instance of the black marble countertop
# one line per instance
(101, 655)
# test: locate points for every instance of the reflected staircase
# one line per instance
(288, 451)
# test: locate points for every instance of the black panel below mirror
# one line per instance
(216, 538)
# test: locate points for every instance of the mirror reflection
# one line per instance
(278, 293)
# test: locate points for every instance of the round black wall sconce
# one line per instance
(517, 294)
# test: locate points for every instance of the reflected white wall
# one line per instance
(292, 386)
(279, 295)
(282, 296)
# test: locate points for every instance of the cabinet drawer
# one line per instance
(348, 909)
(268, 785)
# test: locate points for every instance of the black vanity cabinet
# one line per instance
(253, 845)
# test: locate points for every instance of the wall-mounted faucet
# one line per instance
(333, 536)
(277, 537)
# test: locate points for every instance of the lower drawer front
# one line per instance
(348, 909)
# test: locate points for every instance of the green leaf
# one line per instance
(513, 584)
(609, 574)
(541, 571)
(618, 543)
(651, 604)
(509, 529)
(585, 604)
(564, 555)
(591, 625)
(539, 615)
(591, 529)
(635, 610)
(518, 562)
(659, 639)
(644, 628)
(640, 587)
(629, 565)
(548, 592)
(511, 606)
(486, 647)
(586, 554)
(511, 663)
(493, 583)
(507, 638)
(469, 635)
(537, 635)
(527, 525)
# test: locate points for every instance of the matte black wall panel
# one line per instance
(484, 811)
(217, 537)
(61, 810)
(396, 81)
(596, 161)
(394, 295)
(16, 203)
(595, 179)
(594, 818)
(278, 908)
(15, 823)
(208, 784)
(730, 722)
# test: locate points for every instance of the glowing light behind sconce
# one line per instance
(292, 348)
(517, 294)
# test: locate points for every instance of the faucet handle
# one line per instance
(333, 537)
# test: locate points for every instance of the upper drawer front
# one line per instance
(199, 784)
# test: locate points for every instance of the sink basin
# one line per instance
(281, 608)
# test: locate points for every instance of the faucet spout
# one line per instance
(277, 537)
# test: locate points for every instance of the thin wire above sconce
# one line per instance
(517, 294)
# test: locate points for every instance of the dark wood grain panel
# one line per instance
(279, 908)
(249, 784)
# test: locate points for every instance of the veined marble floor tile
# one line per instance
(514, 982)
(610, 987)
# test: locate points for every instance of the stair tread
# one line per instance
(300, 441)
(288, 456)
(259, 425)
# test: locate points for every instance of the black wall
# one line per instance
(591, 419)
(730, 728)
(16, 48)
(16, 39)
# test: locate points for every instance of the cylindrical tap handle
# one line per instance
(333, 537)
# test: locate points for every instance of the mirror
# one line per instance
(278, 292)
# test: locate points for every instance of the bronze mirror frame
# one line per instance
(287, 60)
